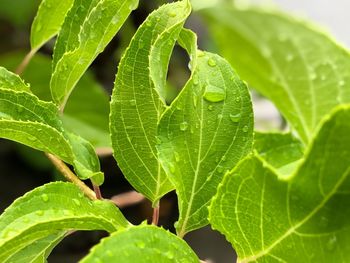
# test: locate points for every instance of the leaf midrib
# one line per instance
(300, 223)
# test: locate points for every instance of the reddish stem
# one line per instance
(155, 217)
(97, 191)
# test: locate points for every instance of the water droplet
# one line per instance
(194, 101)
(235, 117)
(45, 197)
(141, 44)
(223, 158)
(200, 53)
(341, 82)
(183, 126)
(31, 138)
(313, 76)
(211, 62)
(133, 5)
(195, 79)
(245, 128)
(214, 94)
(220, 169)
(170, 254)
(172, 13)
(20, 109)
(331, 243)
(238, 99)
(76, 201)
(177, 156)
(210, 107)
(132, 102)
(39, 212)
(220, 116)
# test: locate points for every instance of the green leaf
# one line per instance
(280, 150)
(88, 28)
(300, 69)
(51, 208)
(301, 218)
(87, 110)
(48, 21)
(38, 251)
(19, 12)
(136, 105)
(142, 243)
(205, 132)
(12, 81)
(26, 119)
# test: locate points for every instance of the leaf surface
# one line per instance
(280, 150)
(38, 251)
(51, 208)
(301, 218)
(298, 67)
(142, 243)
(89, 26)
(48, 21)
(87, 110)
(12, 81)
(204, 133)
(137, 104)
(27, 120)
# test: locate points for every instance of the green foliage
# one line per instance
(301, 70)
(205, 132)
(49, 210)
(87, 29)
(48, 21)
(138, 99)
(277, 197)
(148, 243)
(263, 215)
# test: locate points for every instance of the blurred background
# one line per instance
(22, 169)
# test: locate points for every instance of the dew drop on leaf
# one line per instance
(214, 94)
(132, 102)
(172, 13)
(220, 169)
(245, 128)
(341, 82)
(210, 107)
(235, 117)
(183, 126)
(45, 197)
(39, 212)
(211, 62)
(177, 156)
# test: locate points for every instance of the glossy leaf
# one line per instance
(205, 132)
(142, 243)
(12, 81)
(38, 251)
(51, 208)
(87, 110)
(26, 119)
(301, 218)
(136, 103)
(299, 68)
(88, 28)
(280, 150)
(48, 21)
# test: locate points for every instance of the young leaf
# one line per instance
(38, 251)
(51, 208)
(88, 28)
(12, 81)
(136, 104)
(205, 132)
(303, 71)
(300, 218)
(280, 150)
(48, 21)
(26, 119)
(142, 243)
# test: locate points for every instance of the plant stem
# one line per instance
(97, 191)
(70, 176)
(155, 217)
(19, 70)
(104, 151)
(127, 199)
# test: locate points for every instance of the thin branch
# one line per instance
(155, 217)
(127, 199)
(19, 70)
(97, 191)
(104, 151)
(70, 176)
